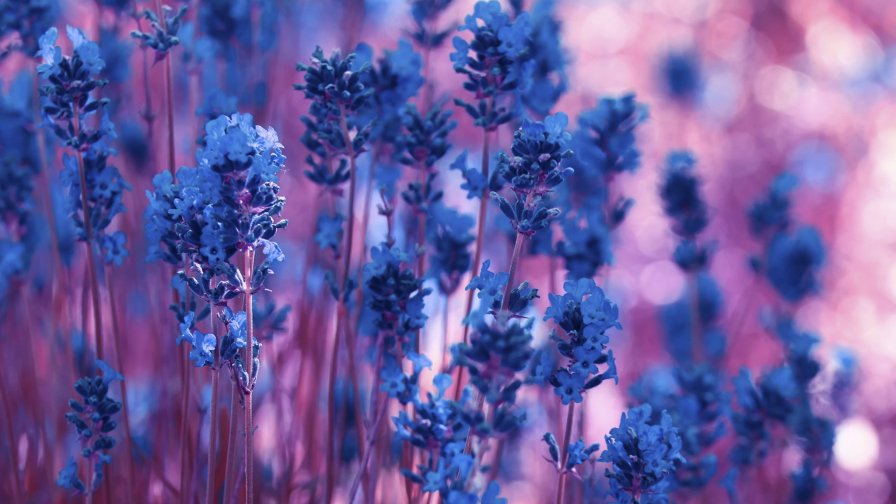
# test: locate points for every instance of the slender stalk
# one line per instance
(250, 427)
(380, 408)
(421, 239)
(514, 259)
(11, 439)
(184, 422)
(170, 113)
(477, 254)
(213, 423)
(49, 206)
(230, 461)
(88, 231)
(342, 313)
(88, 495)
(125, 410)
(564, 450)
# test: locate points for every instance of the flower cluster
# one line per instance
(697, 404)
(164, 30)
(681, 77)
(690, 324)
(793, 255)
(792, 262)
(18, 168)
(425, 13)
(604, 145)
(439, 427)
(785, 396)
(533, 170)
(394, 299)
(395, 295)
(92, 418)
(69, 103)
(337, 90)
(500, 65)
(422, 142)
(28, 19)
(392, 80)
(549, 79)
(584, 314)
(682, 201)
(336, 127)
(228, 203)
(450, 233)
(643, 456)
(499, 349)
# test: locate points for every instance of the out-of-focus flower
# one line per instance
(793, 260)
(92, 418)
(164, 30)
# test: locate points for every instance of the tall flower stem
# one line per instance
(421, 239)
(119, 363)
(380, 408)
(213, 422)
(342, 313)
(88, 231)
(514, 259)
(11, 439)
(230, 462)
(564, 450)
(250, 428)
(477, 254)
(170, 113)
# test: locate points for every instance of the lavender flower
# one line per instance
(604, 146)
(439, 427)
(697, 404)
(584, 314)
(680, 73)
(92, 418)
(69, 103)
(533, 171)
(643, 457)
(393, 80)
(425, 13)
(549, 78)
(28, 19)
(499, 66)
(164, 30)
(18, 168)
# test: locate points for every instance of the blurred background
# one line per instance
(752, 87)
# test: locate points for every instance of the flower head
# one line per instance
(643, 456)
(680, 191)
(793, 260)
(499, 66)
(584, 314)
(164, 30)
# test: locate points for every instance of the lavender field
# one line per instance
(447, 251)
